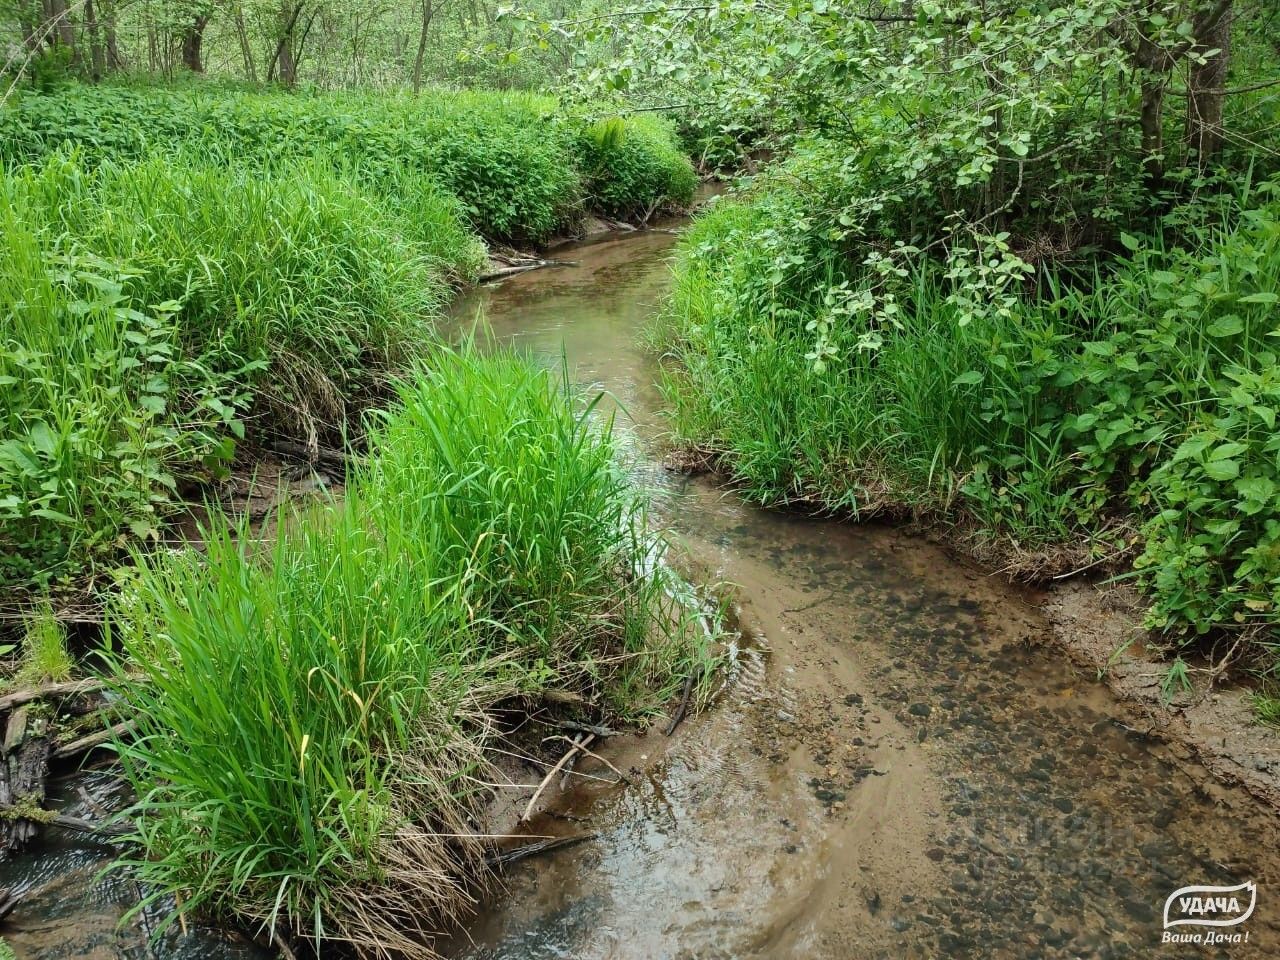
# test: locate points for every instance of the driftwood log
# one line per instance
(24, 764)
(29, 744)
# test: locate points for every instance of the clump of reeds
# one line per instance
(315, 712)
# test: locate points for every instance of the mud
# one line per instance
(1099, 626)
(905, 765)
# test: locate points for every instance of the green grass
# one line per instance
(316, 711)
(151, 314)
(44, 657)
(185, 268)
(519, 165)
(905, 428)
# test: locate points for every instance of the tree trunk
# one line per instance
(427, 11)
(29, 22)
(1151, 122)
(114, 60)
(64, 32)
(97, 57)
(246, 49)
(193, 44)
(1206, 94)
(282, 63)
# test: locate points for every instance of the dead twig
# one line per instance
(581, 749)
(594, 729)
(578, 743)
(92, 741)
(507, 857)
(684, 700)
(65, 688)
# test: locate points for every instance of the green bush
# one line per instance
(1127, 416)
(813, 399)
(99, 411)
(1181, 391)
(316, 715)
(632, 165)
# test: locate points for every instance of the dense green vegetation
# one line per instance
(520, 166)
(1010, 271)
(317, 711)
(1015, 272)
(185, 270)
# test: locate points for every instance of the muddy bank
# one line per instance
(1099, 626)
(906, 765)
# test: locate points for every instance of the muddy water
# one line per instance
(901, 767)
(68, 908)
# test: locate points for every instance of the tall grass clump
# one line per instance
(295, 269)
(316, 713)
(152, 314)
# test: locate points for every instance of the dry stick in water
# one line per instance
(582, 749)
(530, 849)
(684, 701)
(578, 743)
(593, 728)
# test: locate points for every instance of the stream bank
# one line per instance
(906, 764)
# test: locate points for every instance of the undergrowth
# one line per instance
(1119, 417)
(186, 268)
(151, 314)
(316, 712)
(520, 166)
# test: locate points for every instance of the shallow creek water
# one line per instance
(901, 767)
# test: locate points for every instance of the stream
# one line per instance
(902, 767)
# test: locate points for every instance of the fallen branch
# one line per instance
(578, 743)
(66, 688)
(515, 268)
(334, 461)
(8, 900)
(591, 728)
(99, 830)
(622, 777)
(92, 741)
(684, 701)
(507, 857)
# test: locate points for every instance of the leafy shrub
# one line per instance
(1079, 423)
(94, 389)
(1183, 395)
(316, 715)
(631, 165)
